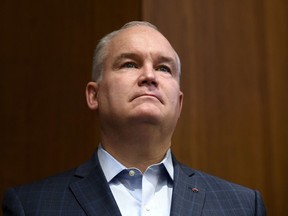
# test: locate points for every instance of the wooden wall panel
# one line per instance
(234, 56)
(234, 78)
(276, 25)
(45, 59)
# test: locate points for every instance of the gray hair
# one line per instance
(101, 51)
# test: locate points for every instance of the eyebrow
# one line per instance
(127, 56)
(172, 63)
(169, 60)
(135, 56)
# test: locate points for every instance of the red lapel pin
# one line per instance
(195, 190)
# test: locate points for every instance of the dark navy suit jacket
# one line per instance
(85, 191)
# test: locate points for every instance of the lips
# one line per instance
(157, 96)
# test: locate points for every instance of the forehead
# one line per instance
(143, 40)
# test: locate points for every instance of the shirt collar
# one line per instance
(111, 167)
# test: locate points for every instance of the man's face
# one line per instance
(140, 80)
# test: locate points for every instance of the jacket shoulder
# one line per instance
(223, 195)
(213, 182)
(59, 180)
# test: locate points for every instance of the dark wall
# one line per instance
(46, 55)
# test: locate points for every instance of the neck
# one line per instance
(136, 148)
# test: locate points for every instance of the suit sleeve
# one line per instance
(259, 204)
(11, 204)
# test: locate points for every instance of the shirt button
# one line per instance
(147, 208)
(131, 172)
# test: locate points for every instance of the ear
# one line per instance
(181, 96)
(91, 95)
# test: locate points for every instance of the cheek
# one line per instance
(112, 93)
(174, 92)
(176, 101)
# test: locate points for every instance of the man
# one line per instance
(136, 95)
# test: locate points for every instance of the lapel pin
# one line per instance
(195, 190)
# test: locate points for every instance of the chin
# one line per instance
(147, 113)
(147, 117)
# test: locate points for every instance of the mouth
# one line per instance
(158, 97)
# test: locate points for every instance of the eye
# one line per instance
(164, 68)
(129, 65)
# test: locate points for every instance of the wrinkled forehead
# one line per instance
(141, 39)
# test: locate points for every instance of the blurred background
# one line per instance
(234, 55)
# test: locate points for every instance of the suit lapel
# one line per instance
(95, 197)
(188, 192)
(92, 190)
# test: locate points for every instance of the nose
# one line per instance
(148, 77)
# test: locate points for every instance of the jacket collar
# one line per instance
(95, 197)
(188, 192)
(92, 190)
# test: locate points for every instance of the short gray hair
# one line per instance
(101, 52)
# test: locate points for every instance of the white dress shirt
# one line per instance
(135, 193)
